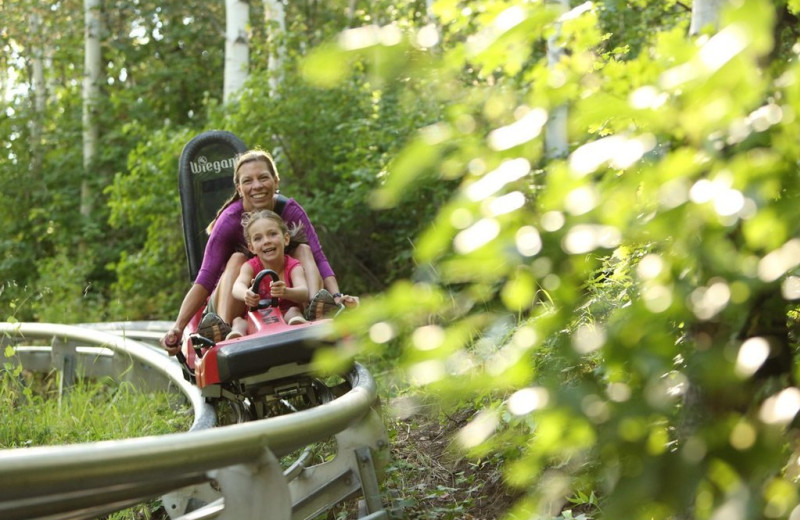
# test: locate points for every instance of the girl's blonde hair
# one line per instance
(246, 157)
(296, 233)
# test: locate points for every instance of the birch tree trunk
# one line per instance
(237, 51)
(37, 64)
(91, 93)
(556, 130)
(39, 88)
(275, 15)
(704, 13)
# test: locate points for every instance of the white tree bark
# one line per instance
(704, 13)
(555, 137)
(37, 65)
(39, 88)
(274, 12)
(237, 50)
(91, 93)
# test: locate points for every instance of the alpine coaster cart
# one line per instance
(266, 373)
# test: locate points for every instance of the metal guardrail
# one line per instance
(87, 351)
(87, 480)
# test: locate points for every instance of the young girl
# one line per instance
(267, 237)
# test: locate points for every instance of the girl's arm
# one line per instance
(241, 287)
(298, 293)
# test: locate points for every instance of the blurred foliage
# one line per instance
(619, 315)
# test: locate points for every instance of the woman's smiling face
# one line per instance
(256, 186)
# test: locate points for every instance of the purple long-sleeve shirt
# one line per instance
(227, 237)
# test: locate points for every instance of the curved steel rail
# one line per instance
(82, 481)
(148, 361)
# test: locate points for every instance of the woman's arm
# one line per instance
(224, 240)
(193, 301)
(331, 284)
(293, 212)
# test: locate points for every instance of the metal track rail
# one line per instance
(87, 480)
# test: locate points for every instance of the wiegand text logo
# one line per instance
(203, 165)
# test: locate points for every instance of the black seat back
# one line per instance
(205, 180)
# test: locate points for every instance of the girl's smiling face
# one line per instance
(267, 240)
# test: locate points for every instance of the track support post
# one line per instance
(369, 481)
(64, 360)
(255, 491)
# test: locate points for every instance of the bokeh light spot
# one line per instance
(527, 400)
(428, 36)
(707, 302)
(506, 204)
(781, 408)
(428, 337)
(584, 238)
(618, 392)
(528, 241)
(657, 297)
(510, 171)
(461, 218)
(742, 436)
(478, 430)
(790, 288)
(647, 97)
(526, 128)
(588, 338)
(650, 266)
(381, 332)
(581, 200)
(553, 221)
(752, 354)
(477, 235)
(776, 263)
(619, 151)
(426, 372)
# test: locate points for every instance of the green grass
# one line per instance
(94, 410)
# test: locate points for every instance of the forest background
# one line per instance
(581, 226)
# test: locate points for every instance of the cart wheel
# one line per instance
(231, 412)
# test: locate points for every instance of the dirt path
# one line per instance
(427, 479)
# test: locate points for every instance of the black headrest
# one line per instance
(205, 180)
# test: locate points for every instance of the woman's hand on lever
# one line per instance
(172, 340)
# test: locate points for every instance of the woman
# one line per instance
(256, 181)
